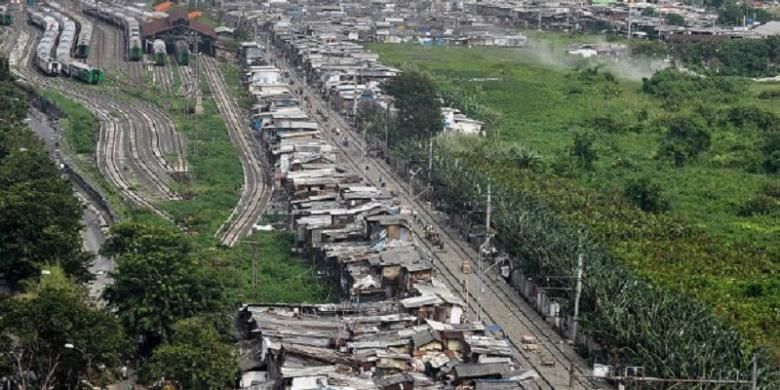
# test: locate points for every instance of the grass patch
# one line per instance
(80, 126)
(721, 257)
(282, 275)
(232, 75)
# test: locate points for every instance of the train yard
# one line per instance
(139, 151)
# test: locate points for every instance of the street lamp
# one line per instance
(87, 355)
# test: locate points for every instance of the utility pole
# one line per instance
(629, 21)
(540, 18)
(254, 263)
(754, 374)
(430, 158)
(481, 256)
(387, 136)
(412, 174)
(577, 294)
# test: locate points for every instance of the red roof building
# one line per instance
(178, 25)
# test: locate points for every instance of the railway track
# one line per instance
(189, 83)
(163, 75)
(256, 191)
(507, 308)
(163, 139)
(117, 130)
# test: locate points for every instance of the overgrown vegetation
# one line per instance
(80, 125)
(215, 175)
(738, 57)
(672, 166)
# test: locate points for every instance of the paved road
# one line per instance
(92, 234)
(501, 304)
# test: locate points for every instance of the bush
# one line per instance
(607, 124)
(759, 205)
(582, 150)
(675, 19)
(744, 116)
(771, 190)
(771, 150)
(686, 138)
(646, 195)
(675, 88)
(770, 94)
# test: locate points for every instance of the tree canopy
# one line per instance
(419, 108)
(39, 323)
(195, 358)
(157, 281)
(40, 219)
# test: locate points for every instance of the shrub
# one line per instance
(743, 116)
(686, 138)
(582, 150)
(759, 205)
(771, 190)
(607, 124)
(770, 94)
(771, 149)
(646, 195)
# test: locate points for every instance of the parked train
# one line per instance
(83, 72)
(6, 18)
(120, 18)
(182, 51)
(53, 57)
(84, 29)
(159, 52)
(45, 51)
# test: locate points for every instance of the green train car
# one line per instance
(182, 53)
(86, 73)
(82, 51)
(6, 18)
(136, 53)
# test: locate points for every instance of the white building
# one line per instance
(457, 123)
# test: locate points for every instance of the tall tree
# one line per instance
(53, 337)
(419, 108)
(40, 219)
(195, 358)
(157, 282)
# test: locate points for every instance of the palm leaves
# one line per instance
(637, 322)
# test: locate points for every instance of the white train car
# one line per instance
(45, 58)
(159, 52)
(84, 28)
(67, 39)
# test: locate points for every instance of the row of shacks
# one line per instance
(441, 23)
(346, 75)
(398, 326)
(493, 23)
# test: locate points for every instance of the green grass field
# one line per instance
(540, 99)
